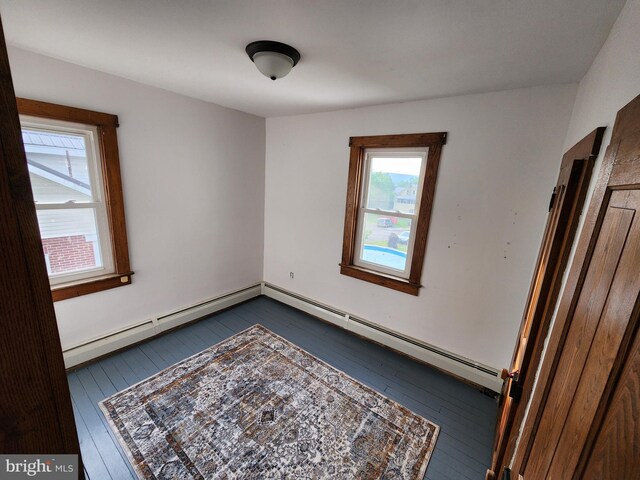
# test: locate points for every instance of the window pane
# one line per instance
(69, 240)
(58, 166)
(393, 183)
(384, 240)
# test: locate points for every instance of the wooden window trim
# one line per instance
(358, 145)
(110, 162)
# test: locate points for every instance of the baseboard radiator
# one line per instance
(470, 370)
(97, 347)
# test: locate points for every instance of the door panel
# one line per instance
(615, 453)
(592, 343)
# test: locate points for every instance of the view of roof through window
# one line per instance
(61, 158)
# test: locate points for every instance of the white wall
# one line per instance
(497, 170)
(613, 80)
(193, 176)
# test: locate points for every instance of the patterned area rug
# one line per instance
(255, 407)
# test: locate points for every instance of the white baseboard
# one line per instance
(475, 372)
(124, 337)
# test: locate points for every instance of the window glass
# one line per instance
(384, 241)
(70, 240)
(393, 183)
(58, 166)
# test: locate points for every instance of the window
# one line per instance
(72, 157)
(392, 181)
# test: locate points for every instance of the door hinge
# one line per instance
(552, 201)
(515, 387)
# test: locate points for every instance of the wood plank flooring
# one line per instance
(466, 416)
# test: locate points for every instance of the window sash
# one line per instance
(389, 213)
(360, 262)
(68, 205)
(104, 244)
(90, 134)
(362, 209)
(94, 166)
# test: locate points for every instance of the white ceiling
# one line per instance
(354, 52)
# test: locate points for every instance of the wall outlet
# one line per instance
(291, 275)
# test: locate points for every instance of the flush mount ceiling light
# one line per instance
(273, 59)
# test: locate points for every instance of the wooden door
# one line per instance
(564, 212)
(36, 416)
(584, 415)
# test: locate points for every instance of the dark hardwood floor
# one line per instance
(466, 416)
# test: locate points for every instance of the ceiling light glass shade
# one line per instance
(273, 59)
(272, 64)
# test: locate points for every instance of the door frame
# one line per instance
(565, 208)
(36, 414)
